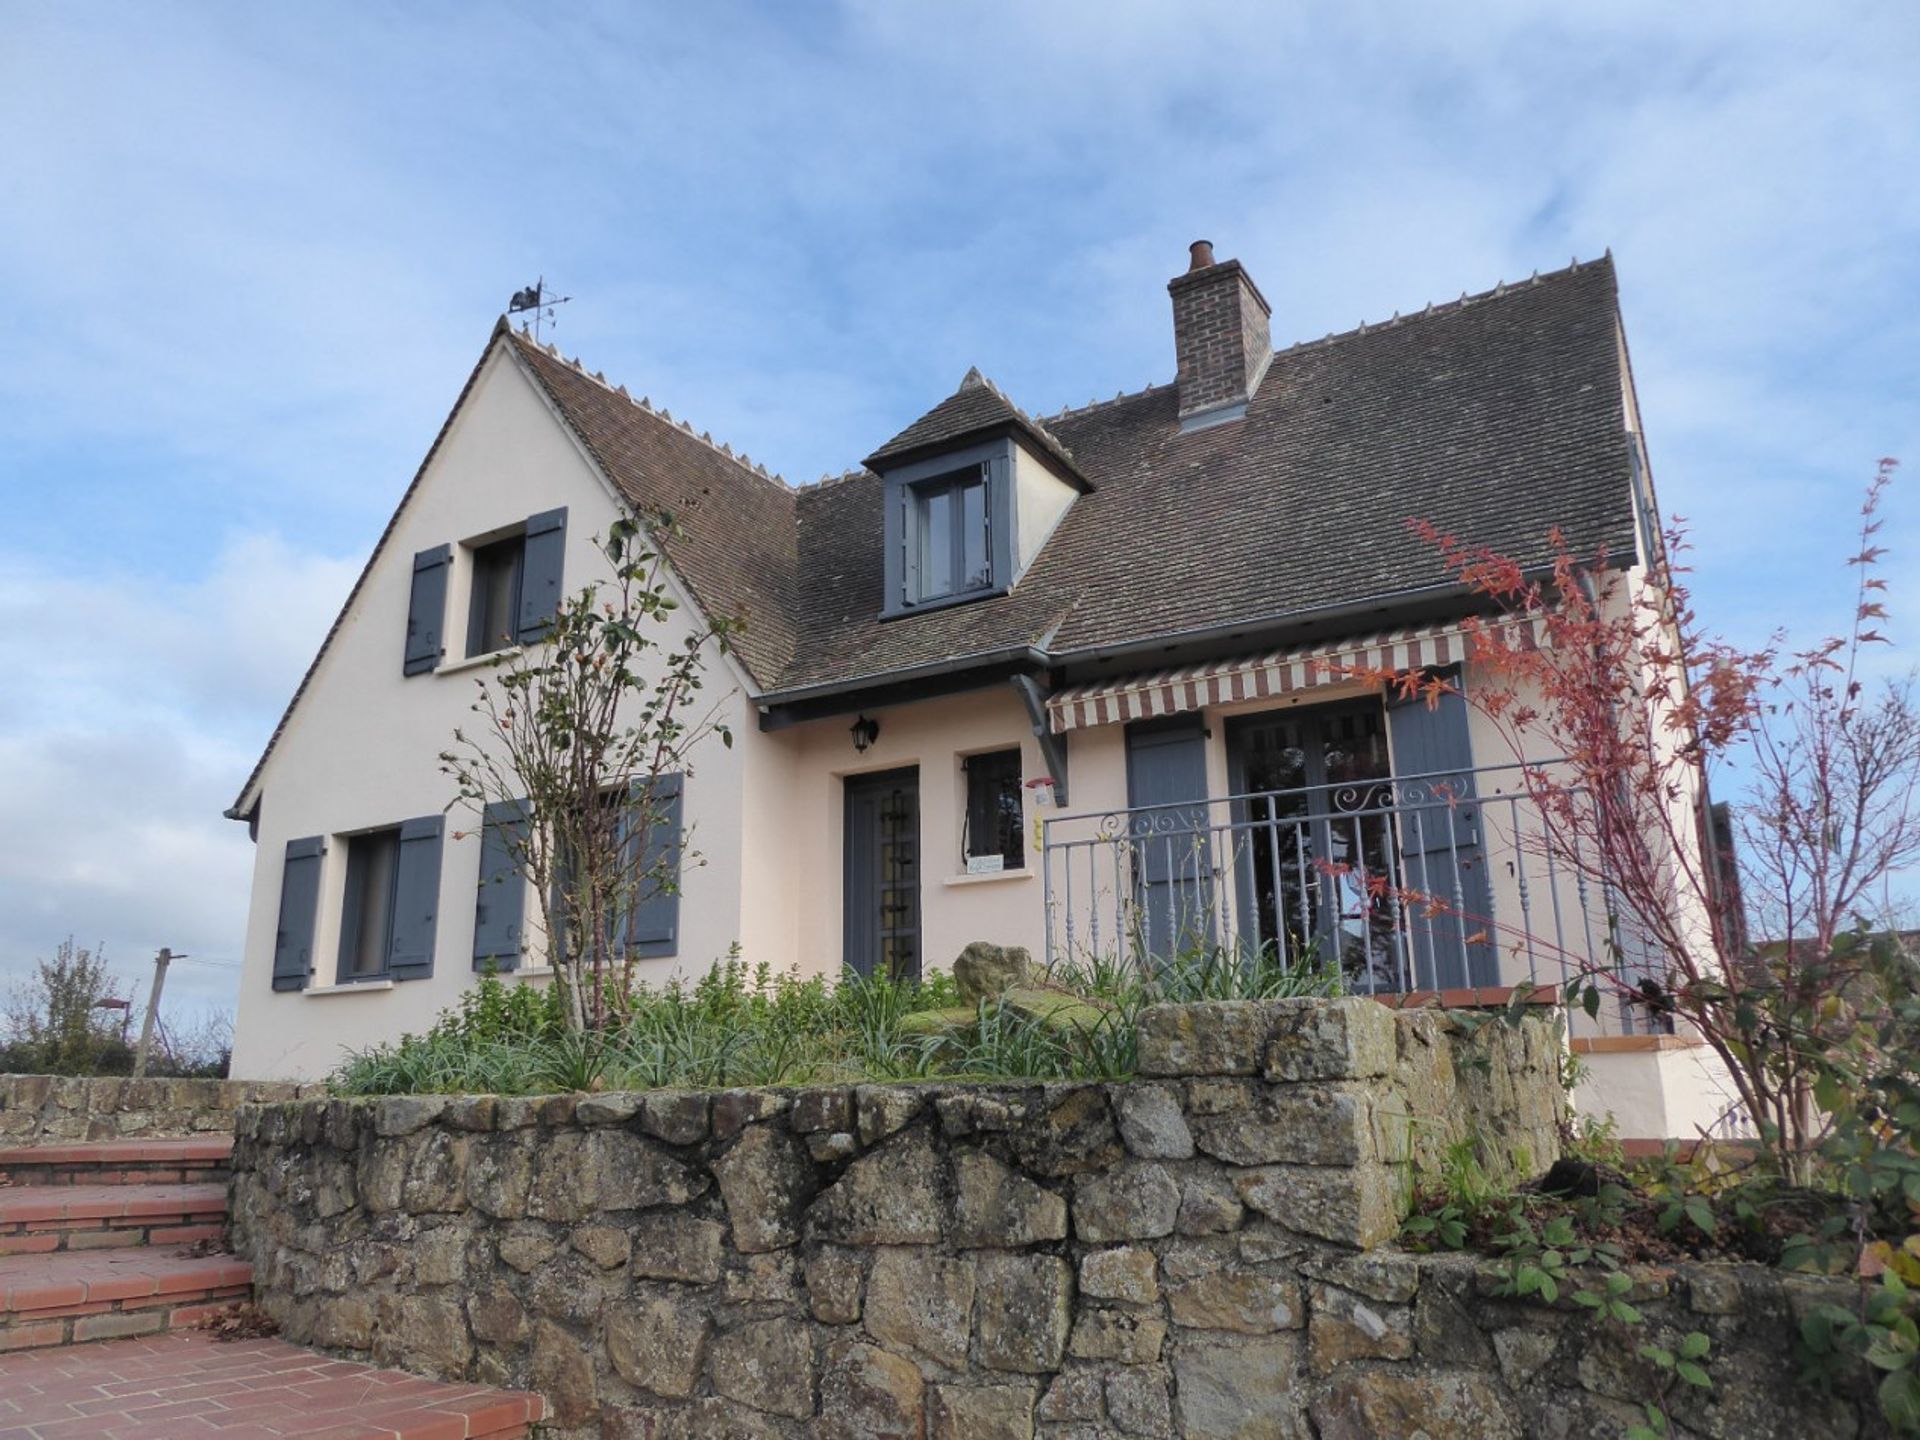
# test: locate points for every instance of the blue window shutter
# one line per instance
(499, 907)
(1172, 848)
(541, 573)
(1440, 845)
(427, 610)
(654, 928)
(416, 899)
(299, 908)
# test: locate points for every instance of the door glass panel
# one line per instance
(1313, 858)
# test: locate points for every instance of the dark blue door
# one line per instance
(882, 888)
(1172, 850)
(1442, 854)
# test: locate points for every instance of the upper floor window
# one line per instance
(949, 528)
(493, 610)
(952, 535)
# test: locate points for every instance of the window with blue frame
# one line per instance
(950, 535)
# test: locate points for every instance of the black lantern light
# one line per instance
(865, 732)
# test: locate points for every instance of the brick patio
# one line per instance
(188, 1384)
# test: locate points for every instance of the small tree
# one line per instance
(1638, 704)
(575, 735)
(56, 1022)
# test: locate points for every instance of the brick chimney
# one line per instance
(1220, 338)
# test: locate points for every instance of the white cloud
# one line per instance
(134, 709)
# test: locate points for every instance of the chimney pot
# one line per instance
(1202, 253)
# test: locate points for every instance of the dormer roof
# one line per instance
(976, 410)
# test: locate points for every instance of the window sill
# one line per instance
(996, 877)
(533, 972)
(351, 987)
(476, 662)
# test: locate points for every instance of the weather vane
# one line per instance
(538, 301)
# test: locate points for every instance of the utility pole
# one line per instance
(160, 963)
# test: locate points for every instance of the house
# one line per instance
(1076, 682)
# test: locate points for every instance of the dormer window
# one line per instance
(952, 536)
(973, 489)
(949, 529)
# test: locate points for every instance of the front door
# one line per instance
(1170, 838)
(882, 887)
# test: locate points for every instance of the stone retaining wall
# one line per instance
(1184, 1254)
(37, 1108)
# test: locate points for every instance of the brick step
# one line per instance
(169, 1387)
(69, 1296)
(37, 1218)
(199, 1160)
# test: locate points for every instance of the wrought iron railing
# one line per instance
(1420, 882)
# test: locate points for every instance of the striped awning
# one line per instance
(1258, 677)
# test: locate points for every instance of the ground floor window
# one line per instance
(995, 821)
(366, 921)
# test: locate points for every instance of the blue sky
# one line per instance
(250, 253)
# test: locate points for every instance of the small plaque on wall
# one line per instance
(986, 864)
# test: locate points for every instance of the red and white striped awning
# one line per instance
(1280, 672)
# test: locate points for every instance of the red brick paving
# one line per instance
(120, 1152)
(189, 1386)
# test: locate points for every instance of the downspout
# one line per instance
(1053, 748)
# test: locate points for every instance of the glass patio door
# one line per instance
(1313, 852)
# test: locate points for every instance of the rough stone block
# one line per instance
(1352, 1038)
(1346, 1327)
(613, 1108)
(1137, 1201)
(980, 1412)
(996, 1205)
(1457, 1405)
(1025, 1310)
(673, 1245)
(1137, 1402)
(1357, 1206)
(1126, 1336)
(658, 1343)
(1072, 1135)
(1151, 1123)
(1242, 1392)
(767, 1365)
(1318, 1124)
(867, 1392)
(1221, 1037)
(890, 1196)
(834, 1279)
(1125, 1273)
(1076, 1395)
(766, 1182)
(1248, 1302)
(678, 1117)
(921, 1302)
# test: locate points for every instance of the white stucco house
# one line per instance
(1046, 681)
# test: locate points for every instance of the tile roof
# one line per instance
(1496, 416)
(735, 549)
(977, 407)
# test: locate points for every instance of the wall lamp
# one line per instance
(865, 732)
